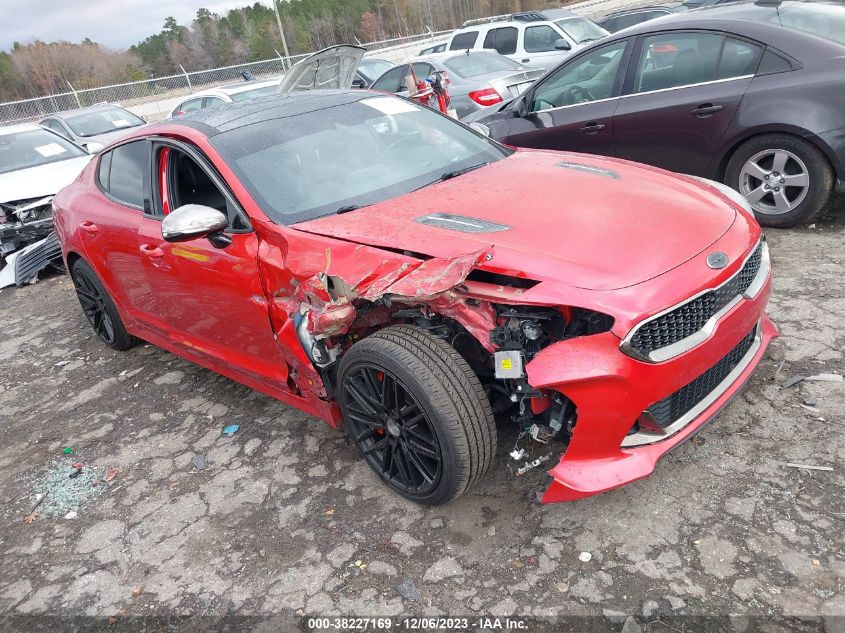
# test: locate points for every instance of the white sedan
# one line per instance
(243, 91)
(34, 164)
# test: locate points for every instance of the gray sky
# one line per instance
(114, 23)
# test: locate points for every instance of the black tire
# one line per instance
(98, 307)
(821, 178)
(441, 408)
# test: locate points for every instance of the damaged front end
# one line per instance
(27, 241)
(482, 314)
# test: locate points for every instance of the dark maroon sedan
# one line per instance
(749, 94)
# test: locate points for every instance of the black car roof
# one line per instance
(231, 116)
(750, 18)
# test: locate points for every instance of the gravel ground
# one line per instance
(283, 520)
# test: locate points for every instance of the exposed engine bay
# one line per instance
(514, 335)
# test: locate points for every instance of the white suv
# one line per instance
(538, 38)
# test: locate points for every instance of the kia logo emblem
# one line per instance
(717, 260)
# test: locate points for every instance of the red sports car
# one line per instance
(382, 267)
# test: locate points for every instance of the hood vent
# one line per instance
(461, 223)
(590, 169)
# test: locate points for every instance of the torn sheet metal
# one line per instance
(326, 298)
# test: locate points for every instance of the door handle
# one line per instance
(89, 227)
(593, 128)
(526, 60)
(153, 252)
(706, 109)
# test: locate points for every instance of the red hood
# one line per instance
(602, 230)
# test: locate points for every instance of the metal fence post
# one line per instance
(188, 79)
(281, 59)
(76, 96)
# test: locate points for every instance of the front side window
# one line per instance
(540, 39)
(190, 106)
(502, 40)
(212, 102)
(349, 155)
(588, 78)
(186, 182)
(31, 148)
(102, 122)
(125, 165)
(391, 81)
(464, 41)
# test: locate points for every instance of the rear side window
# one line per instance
(684, 59)
(502, 40)
(121, 173)
(678, 59)
(773, 63)
(391, 81)
(738, 58)
(463, 41)
(540, 39)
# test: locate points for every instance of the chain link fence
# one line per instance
(155, 97)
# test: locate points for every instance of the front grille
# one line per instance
(690, 317)
(676, 405)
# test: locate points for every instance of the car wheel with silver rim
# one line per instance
(785, 179)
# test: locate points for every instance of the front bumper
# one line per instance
(612, 390)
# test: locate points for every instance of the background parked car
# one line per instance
(433, 50)
(478, 80)
(747, 94)
(536, 38)
(243, 91)
(370, 69)
(34, 164)
(618, 20)
(94, 126)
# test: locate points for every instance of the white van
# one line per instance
(538, 38)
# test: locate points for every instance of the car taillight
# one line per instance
(486, 97)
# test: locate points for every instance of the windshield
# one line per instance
(31, 148)
(372, 69)
(823, 20)
(349, 155)
(476, 64)
(102, 122)
(246, 95)
(581, 29)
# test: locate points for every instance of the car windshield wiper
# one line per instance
(454, 174)
(350, 207)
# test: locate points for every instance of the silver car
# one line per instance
(93, 127)
(478, 79)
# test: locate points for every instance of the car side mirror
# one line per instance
(94, 148)
(521, 107)
(562, 45)
(359, 83)
(193, 221)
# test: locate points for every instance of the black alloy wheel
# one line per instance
(391, 430)
(98, 307)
